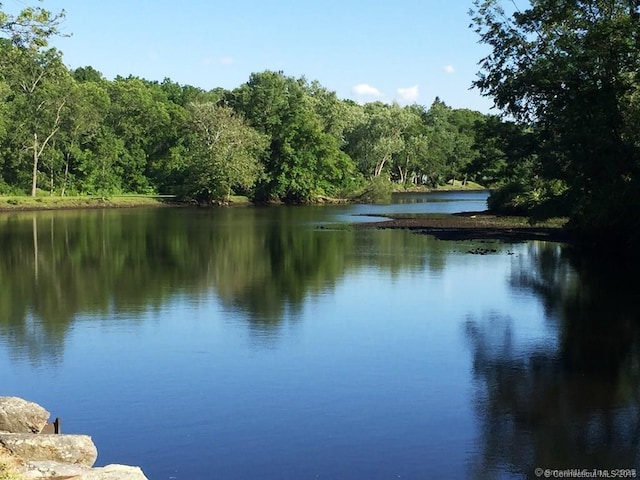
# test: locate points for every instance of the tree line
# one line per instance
(274, 138)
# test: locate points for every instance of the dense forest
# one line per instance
(563, 74)
(273, 138)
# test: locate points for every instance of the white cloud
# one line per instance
(366, 90)
(409, 94)
(226, 60)
(449, 69)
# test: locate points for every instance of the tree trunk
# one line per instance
(403, 175)
(38, 149)
(34, 176)
(379, 167)
(66, 175)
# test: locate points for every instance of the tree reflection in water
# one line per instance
(261, 264)
(575, 404)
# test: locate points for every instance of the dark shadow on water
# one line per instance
(571, 403)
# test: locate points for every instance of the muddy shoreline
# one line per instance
(474, 226)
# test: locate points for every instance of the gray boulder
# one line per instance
(53, 470)
(72, 449)
(115, 472)
(20, 416)
(40, 456)
(46, 470)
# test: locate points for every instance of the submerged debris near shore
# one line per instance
(475, 226)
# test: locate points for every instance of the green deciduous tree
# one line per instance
(466, 124)
(223, 153)
(492, 146)
(87, 74)
(303, 160)
(31, 28)
(378, 137)
(37, 80)
(569, 70)
(142, 116)
(410, 161)
(87, 107)
(33, 72)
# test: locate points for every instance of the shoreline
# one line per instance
(475, 226)
(483, 225)
(34, 204)
(19, 203)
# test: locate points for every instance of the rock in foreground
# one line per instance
(36, 456)
(115, 472)
(20, 416)
(72, 449)
(53, 470)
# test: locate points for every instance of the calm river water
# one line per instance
(281, 343)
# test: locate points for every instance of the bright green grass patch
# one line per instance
(455, 185)
(459, 185)
(46, 203)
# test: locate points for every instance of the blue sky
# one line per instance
(391, 50)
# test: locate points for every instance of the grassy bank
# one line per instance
(10, 203)
(458, 185)
(45, 202)
(454, 186)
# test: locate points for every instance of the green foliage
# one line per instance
(33, 74)
(36, 78)
(6, 189)
(502, 148)
(72, 133)
(568, 70)
(87, 74)
(137, 117)
(304, 159)
(411, 145)
(539, 199)
(441, 135)
(376, 190)
(223, 154)
(87, 105)
(378, 137)
(31, 28)
(103, 173)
